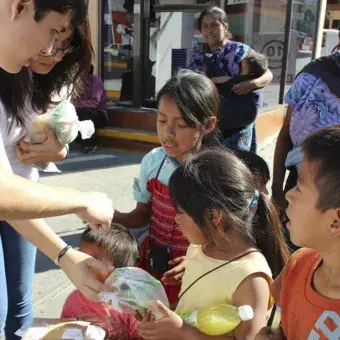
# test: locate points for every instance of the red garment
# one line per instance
(163, 232)
(305, 314)
(118, 326)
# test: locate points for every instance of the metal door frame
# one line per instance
(144, 24)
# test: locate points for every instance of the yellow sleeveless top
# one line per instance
(219, 286)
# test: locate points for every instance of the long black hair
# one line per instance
(19, 91)
(197, 99)
(217, 179)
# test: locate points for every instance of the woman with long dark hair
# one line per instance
(21, 96)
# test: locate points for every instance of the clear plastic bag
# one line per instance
(137, 291)
(63, 120)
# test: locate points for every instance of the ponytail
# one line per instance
(269, 236)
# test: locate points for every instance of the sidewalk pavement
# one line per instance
(107, 171)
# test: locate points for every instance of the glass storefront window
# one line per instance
(173, 38)
(118, 39)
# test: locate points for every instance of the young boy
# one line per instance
(308, 289)
(117, 247)
(258, 167)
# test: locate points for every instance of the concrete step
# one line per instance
(130, 118)
(135, 129)
(128, 139)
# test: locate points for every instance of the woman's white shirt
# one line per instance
(11, 136)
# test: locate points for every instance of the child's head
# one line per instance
(314, 204)
(115, 246)
(188, 105)
(256, 64)
(258, 167)
(214, 194)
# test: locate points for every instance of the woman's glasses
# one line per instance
(57, 50)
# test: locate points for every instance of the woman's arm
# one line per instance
(24, 199)
(76, 265)
(283, 145)
(137, 218)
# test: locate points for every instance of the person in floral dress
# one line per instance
(313, 102)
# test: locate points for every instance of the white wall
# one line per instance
(169, 37)
(176, 31)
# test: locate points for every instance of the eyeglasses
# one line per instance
(57, 50)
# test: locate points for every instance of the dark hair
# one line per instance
(119, 244)
(78, 9)
(17, 89)
(217, 179)
(322, 148)
(258, 63)
(71, 72)
(196, 97)
(219, 13)
(255, 163)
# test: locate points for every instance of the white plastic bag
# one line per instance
(53, 329)
(137, 291)
(63, 120)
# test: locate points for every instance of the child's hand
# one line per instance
(148, 316)
(49, 151)
(244, 87)
(170, 327)
(174, 275)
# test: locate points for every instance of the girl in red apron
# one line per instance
(188, 105)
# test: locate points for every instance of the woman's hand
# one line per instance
(97, 210)
(170, 327)
(49, 151)
(77, 266)
(220, 80)
(244, 87)
(174, 275)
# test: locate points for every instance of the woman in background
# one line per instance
(222, 60)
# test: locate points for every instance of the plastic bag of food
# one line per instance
(136, 292)
(63, 120)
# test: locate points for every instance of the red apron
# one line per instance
(163, 231)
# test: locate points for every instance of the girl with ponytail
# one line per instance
(235, 239)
